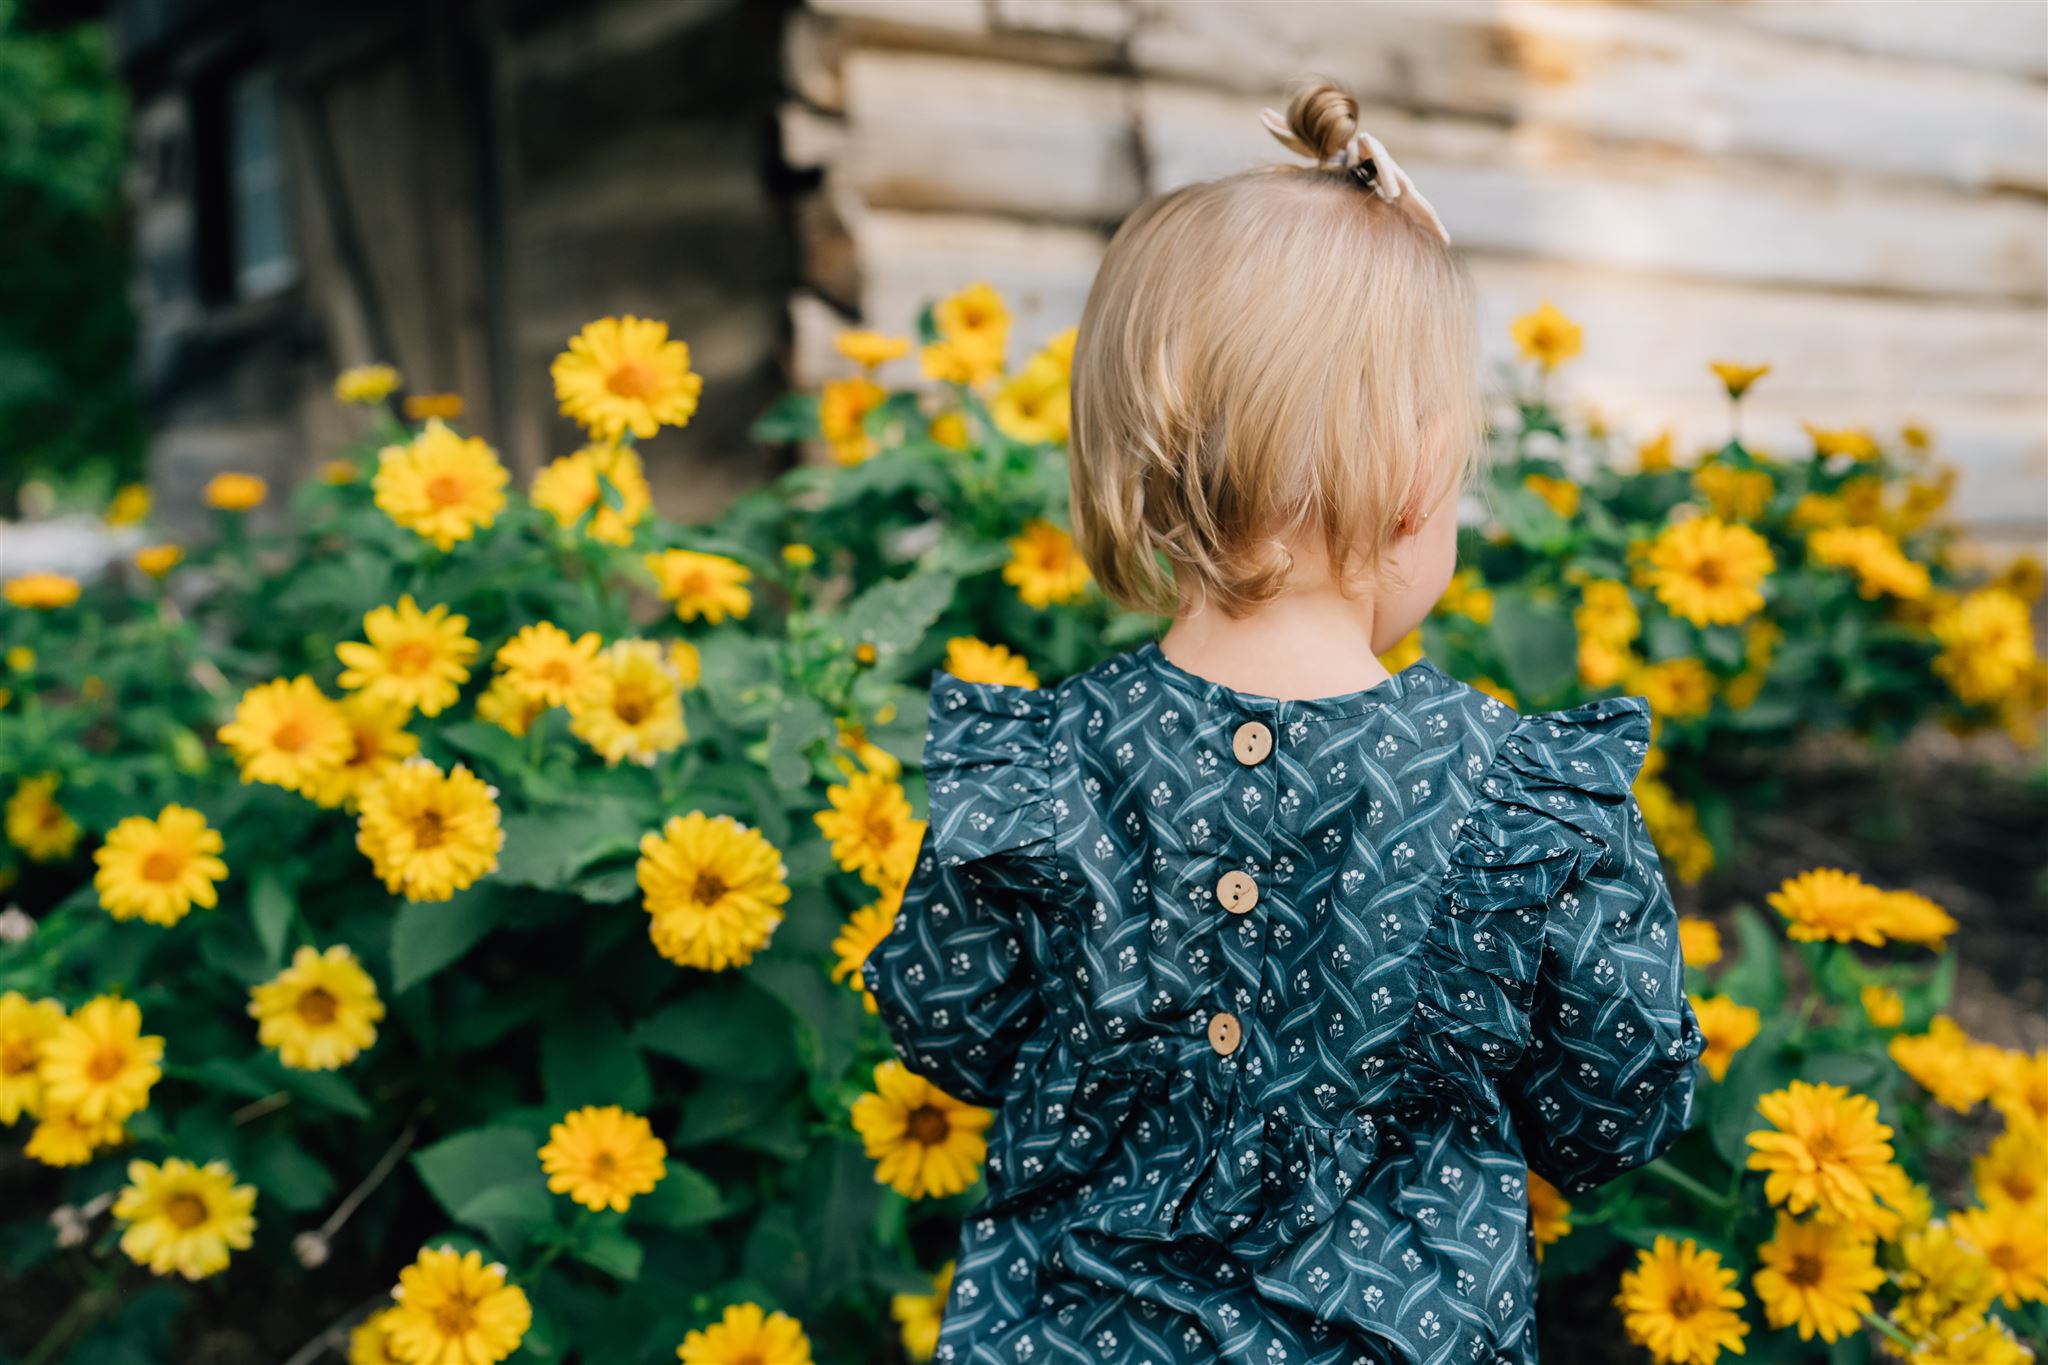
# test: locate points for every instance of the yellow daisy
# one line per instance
(1976, 1341)
(746, 1334)
(686, 662)
(1883, 1007)
(1468, 596)
(870, 828)
(129, 506)
(288, 734)
(1699, 941)
(604, 482)
(2020, 1090)
(1737, 378)
(1826, 1152)
(714, 889)
(870, 350)
(1852, 442)
(157, 870)
(339, 472)
(1817, 1277)
(431, 407)
(1656, 455)
(61, 1138)
(843, 408)
(2009, 1236)
(1682, 1304)
(1034, 406)
(976, 323)
(919, 1316)
(1562, 495)
(1987, 645)
(1943, 1283)
(40, 591)
(1677, 689)
(369, 1343)
(1710, 572)
(320, 1013)
(1880, 566)
(1550, 1213)
(429, 834)
(603, 1157)
(234, 492)
(862, 933)
(366, 384)
(378, 742)
(704, 587)
(1546, 336)
(2014, 1169)
(441, 486)
(1909, 917)
(633, 705)
(545, 663)
(1946, 1062)
(1727, 1027)
(158, 560)
(972, 660)
(504, 705)
(1734, 494)
(625, 374)
(872, 756)
(183, 1219)
(1830, 905)
(98, 1065)
(36, 824)
(416, 659)
(25, 1025)
(1044, 567)
(925, 1143)
(949, 429)
(455, 1310)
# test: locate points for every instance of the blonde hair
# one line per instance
(1263, 355)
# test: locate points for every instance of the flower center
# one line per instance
(1709, 573)
(632, 705)
(289, 736)
(162, 865)
(185, 1211)
(411, 658)
(1685, 1301)
(710, 889)
(604, 1165)
(107, 1061)
(630, 379)
(880, 829)
(429, 830)
(446, 490)
(928, 1125)
(317, 1007)
(2004, 1255)
(455, 1317)
(1806, 1270)
(17, 1057)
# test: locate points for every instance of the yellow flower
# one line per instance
(1727, 1027)
(975, 320)
(799, 557)
(1035, 405)
(369, 1343)
(1880, 566)
(2023, 576)
(1550, 1213)
(1655, 456)
(1987, 645)
(976, 661)
(1059, 349)
(544, 663)
(714, 889)
(746, 1333)
(339, 472)
(21, 659)
(183, 1219)
(320, 1013)
(443, 487)
(633, 707)
(1044, 566)
(1850, 441)
(157, 870)
(1737, 378)
(130, 505)
(925, 1143)
(1817, 1277)
(1467, 595)
(1827, 904)
(36, 824)
(1504, 695)
(843, 408)
(287, 734)
(870, 828)
(1709, 572)
(432, 407)
(625, 374)
(862, 933)
(604, 482)
(2021, 1090)
(429, 834)
(415, 659)
(1942, 1283)
(98, 1065)
(158, 560)
(602, 1157)
(1681, 1304)
(25, 1025)
(703, 587)
(232, 492)
(870, 350)
(1674, 827)
(507, 707)
(1974, 1341)
(40, 591)
(1826, 1152)
(949, 429)
(455, 1310)
(919, 1316)
(1699, 941)
(1909, 917)
(1734, 494)
(686, 663)
(1817, 510)
(1602, 665)
(1546, 336)
(378, 740)
(1946, 1062)
(1883, 1007)
(2009, 1236)
(1404, 653)
(61, 1138)
(2014, 1168)
(366, 384)
(1677, 689)
(1561, 494)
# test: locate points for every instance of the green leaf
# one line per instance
(1537, 643)
(609, 1248)
(284, 1171)
(427, 936)
(271, 905)
(511, 1214)
(458, 1169)
(1531, 520)
(895, 614)
(1757, 975)
(828, 1014)
(841, 1197)
(728, 1025)
(685, 1198)
(327, 1089)
(792, 417)
(586, 1058)
(548, 847)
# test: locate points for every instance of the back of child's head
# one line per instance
(1287, 351)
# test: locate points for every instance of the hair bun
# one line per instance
(1324, 118)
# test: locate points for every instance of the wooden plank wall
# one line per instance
(1854, 192)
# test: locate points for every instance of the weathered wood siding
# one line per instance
(1856, 193)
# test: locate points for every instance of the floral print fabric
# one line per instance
(1462, 962)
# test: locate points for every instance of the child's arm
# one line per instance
(1607, 1082)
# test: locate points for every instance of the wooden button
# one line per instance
(1237, 891)
(1252, 743)
(1224, 1033)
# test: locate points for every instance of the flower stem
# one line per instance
(1884, 1328)
(1673, 1176)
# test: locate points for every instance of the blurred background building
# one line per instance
(1856, 193)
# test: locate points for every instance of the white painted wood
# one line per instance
(2009, 36)
(1101, 20)
(811, 139)
(943, 16)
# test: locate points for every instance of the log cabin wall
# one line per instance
(1855, 193)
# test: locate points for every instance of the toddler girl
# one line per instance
(1283, 973)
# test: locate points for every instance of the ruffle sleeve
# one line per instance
(988, 773)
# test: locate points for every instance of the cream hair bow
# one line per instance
(1365, 156)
